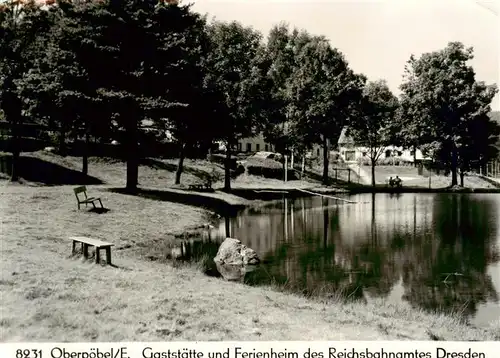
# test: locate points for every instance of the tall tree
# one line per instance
(441, 93)
(481, 138)
(133, 77)
(23, 25)
(280, 129)
(371, 125)
(58, 88)
(324, 90)
(190, 119)
(236, 76)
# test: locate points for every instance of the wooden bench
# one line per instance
(87, 200)
(200, 186)
(98, 244)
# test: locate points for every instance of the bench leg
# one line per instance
(108, 255)
(97, 255)
(85, 251)
(74, 248)
(100, 202)
(93, 204)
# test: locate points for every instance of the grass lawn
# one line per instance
(48, 295)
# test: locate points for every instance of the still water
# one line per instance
(435, 251)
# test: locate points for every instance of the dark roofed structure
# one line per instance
(345, 139)
(495, 116)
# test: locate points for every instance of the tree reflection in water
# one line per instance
(318, 246)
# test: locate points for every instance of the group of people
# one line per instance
(396, 182)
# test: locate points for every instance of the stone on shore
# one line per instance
(234, 260)
(233, 252)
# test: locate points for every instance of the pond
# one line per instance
(435, 251)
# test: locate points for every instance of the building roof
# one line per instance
(344, 138)
(495, 116)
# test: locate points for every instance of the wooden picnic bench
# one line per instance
(98, 244)
(87, 200)
(206, 185)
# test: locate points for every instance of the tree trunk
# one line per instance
(180, 165)
(85, 159)
(227, 168)
(14, 176)
(461, 178)
(326, 160)
(62, 139)
(415, 156)
(12, 107)
(132, 156)
(373, 172)
(16, 151)
(454, 162)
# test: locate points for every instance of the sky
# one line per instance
(378, 37)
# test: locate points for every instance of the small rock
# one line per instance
(256, 331)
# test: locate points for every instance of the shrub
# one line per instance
(269, 168)
(221, 159)
(240, 169)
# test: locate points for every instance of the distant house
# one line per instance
(350, 152)
(254, 144)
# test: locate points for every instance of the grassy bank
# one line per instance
(47, 295)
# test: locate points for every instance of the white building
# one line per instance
(350, 152)
(254, 144)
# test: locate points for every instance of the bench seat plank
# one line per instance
(90, 241)
(88, 200)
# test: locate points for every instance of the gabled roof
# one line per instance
(495, 116)
(344, 138)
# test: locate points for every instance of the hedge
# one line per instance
(269, 168)
(221, 159)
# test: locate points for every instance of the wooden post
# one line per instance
(86, 251)
(108, 255)
(286, 167)
(97, 254)
(348, 175)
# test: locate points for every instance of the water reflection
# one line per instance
(436, 251)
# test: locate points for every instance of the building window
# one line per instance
(364, 154)
(249, 147)
(266, 147)
(350, 156)
(257, 147)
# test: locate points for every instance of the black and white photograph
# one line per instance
(249, 171)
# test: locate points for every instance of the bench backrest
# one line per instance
(80, 189)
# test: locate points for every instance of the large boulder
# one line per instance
(233, 252)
